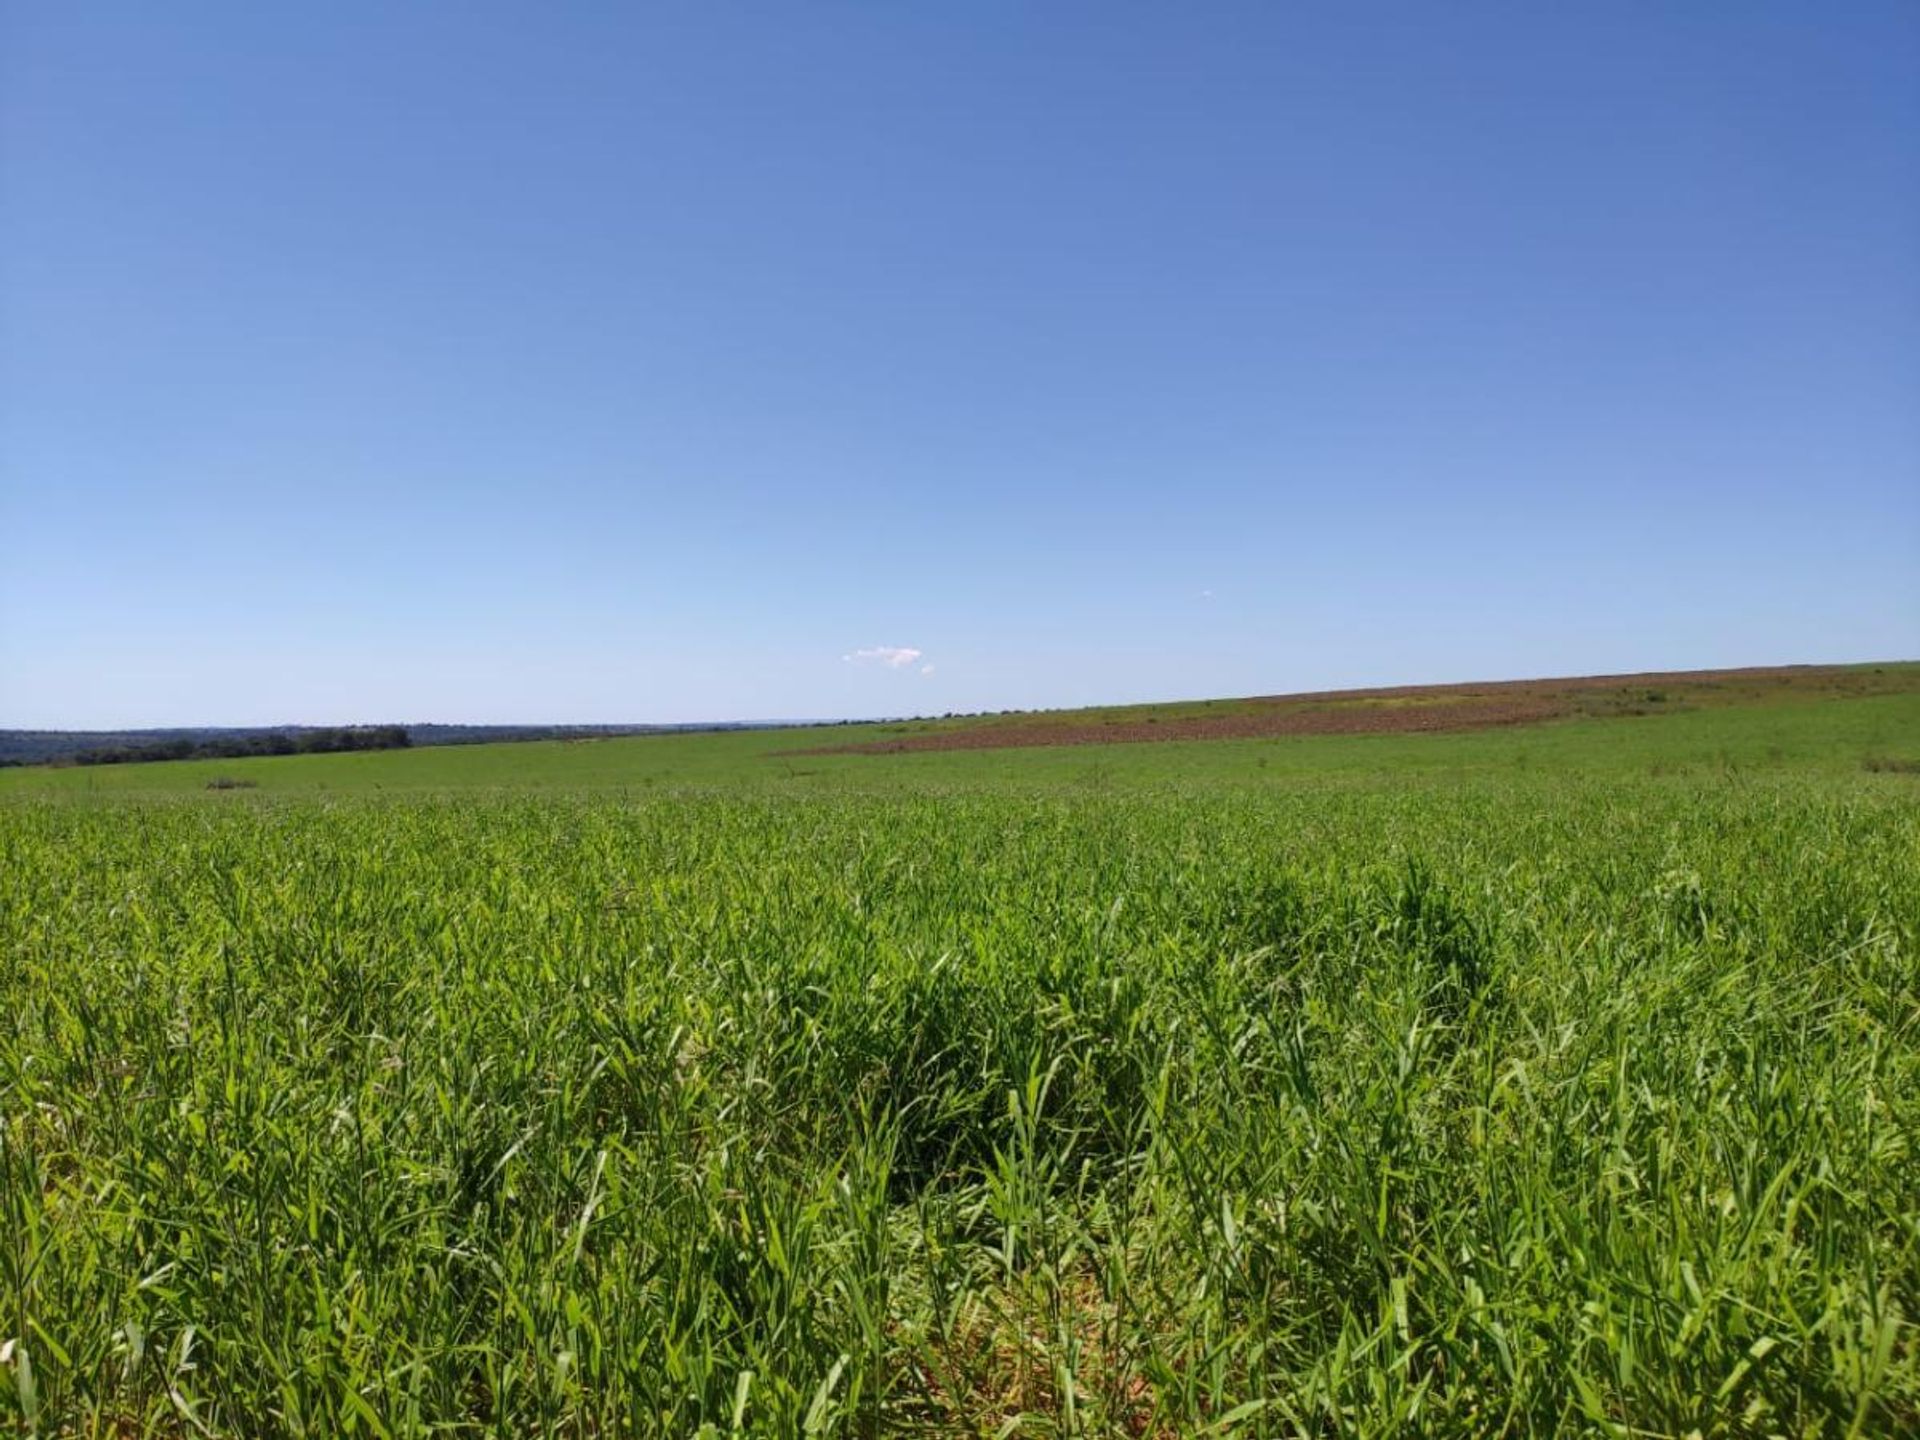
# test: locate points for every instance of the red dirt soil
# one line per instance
(1390, 710)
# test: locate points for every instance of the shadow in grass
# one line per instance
(1890, 765)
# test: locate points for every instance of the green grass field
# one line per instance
(1784, 734)
(1551, 1080)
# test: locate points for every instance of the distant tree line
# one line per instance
(327, 741)
(121, 747)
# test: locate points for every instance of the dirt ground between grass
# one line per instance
(1391, 710)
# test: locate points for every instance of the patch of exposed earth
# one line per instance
(1390, 710)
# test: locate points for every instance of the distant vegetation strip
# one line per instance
(273, 742)
(119, 747)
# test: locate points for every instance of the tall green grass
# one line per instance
(1533, 1107)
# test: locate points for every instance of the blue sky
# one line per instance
(499, 363)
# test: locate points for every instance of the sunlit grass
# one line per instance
(1533, 1107)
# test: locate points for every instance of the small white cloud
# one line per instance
(926, 669)
(1206, 594)
(894, 657)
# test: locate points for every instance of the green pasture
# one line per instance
(1832, 737)
(1556, 1080)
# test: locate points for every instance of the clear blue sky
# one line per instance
(490, 363)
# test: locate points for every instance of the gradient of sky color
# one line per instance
(481, 362)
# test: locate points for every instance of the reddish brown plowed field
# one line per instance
(1400, 709)
(1233, 725)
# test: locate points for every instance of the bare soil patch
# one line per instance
(1387, 710)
